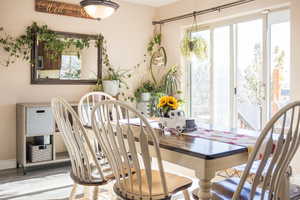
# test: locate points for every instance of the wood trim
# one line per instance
(7, 164)
(62, 82)
(61, 8)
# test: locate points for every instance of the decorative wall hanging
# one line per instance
(60, 8)
(157, 53)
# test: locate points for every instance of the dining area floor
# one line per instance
(54, 183)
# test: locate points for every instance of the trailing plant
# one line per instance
(20, 47)
(154, 43)
(193, 46)
(118, 75)
(147, 87)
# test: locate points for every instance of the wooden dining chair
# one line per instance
(86, 169)
(117, 137)
(85, 107)
(86, 104)
(274, 150)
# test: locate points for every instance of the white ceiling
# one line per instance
(154, 3)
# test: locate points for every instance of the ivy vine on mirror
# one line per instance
(56, 57)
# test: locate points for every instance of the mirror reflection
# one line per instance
(71, 64)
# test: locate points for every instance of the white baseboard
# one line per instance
(7, 164)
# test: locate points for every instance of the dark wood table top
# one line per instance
(197, 147)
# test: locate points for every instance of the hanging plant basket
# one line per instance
(193, 45)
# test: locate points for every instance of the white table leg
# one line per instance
(204, 192)
(205, 186)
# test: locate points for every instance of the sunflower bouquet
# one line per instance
(167, 103)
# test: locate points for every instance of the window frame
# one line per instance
(233, 64)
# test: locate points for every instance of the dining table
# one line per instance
(204, 154)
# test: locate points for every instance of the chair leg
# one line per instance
(86, 193)
(73, 192)
(186, 194)
(96, 193)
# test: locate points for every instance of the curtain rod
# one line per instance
(202, 12)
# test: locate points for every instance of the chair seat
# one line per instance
(175, 183)
(95, 178)
(225, 189)
(241, 168)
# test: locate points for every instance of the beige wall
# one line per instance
(172, 33)
(127, 33)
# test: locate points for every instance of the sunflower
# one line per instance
(172, 102)
(168, 101)
(163, 101)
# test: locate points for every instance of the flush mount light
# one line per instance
(99, 9)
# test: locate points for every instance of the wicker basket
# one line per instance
(38, 153)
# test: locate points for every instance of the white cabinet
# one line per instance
(33, 120)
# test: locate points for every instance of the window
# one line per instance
(200, 100)
(221, 78)
(279, 60)
(245, 80)
(249, 74)
(70, 67)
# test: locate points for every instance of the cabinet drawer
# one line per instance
(40, 121)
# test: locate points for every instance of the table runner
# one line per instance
(229, 137)
(244, 138)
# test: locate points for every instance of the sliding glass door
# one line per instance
(246, 77)
(249, 74)
(279, 59)
(221, 76)
(200, 89)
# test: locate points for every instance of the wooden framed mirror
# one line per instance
(71, 66)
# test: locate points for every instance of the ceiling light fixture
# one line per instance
(99, 9)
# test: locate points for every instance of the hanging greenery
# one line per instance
(20, 47)
(193, 45)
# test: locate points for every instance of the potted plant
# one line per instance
(114, 80)
(144, 93)
(170, 82)
(166, 104)
(193, 46)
